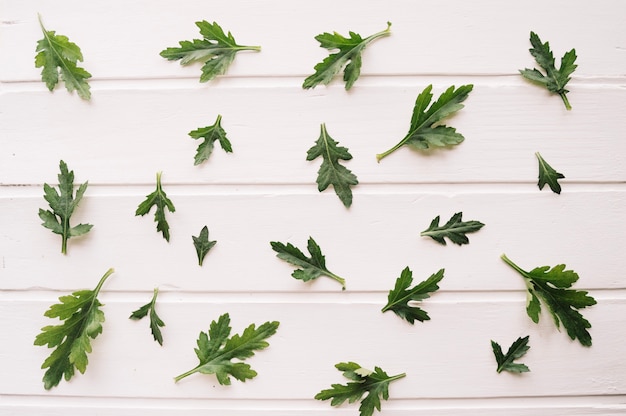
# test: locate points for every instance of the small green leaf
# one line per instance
(216, 351)
(216, 50)
(373, 384)
(210, 134)
(159, 199)
(155, 322)
(400, 296)
(552, 287)
(330, 171)
(83, 320)
(425, 131)
(554, 80)
(62, 204)
(547, 175)
(310, 268)
(202, 244)
(58, 57)
(349, 49)
(516, 350)
(455, 230)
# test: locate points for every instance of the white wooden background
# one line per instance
(137, 123)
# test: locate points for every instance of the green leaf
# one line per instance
(363, 381)
(58, 58)
(216, 351)
(553, 79)
(210, 134)
(552, 287)
(516, 350)
(330, 171)
(400, 296)
(349, 49)
(425, 131)
(547, 175)
(83, 320)
(155, 322)
(215, 50)
(455, 230)
(62, 205)
(202, 244)
(159, 199)
(310, 268)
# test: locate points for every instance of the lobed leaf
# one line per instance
(330, 171)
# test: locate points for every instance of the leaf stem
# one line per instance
(565, 101)
(380, 156)
(188, 373)
(102, 280)
(337, 278)
(513, 265)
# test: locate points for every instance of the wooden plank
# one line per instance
(442, 357)
(424, 40)
(368, 245)
(126, 135)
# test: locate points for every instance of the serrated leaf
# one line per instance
(547, 175)
(83, 320)
(455, 229)
(158, 199)
(58, 58)
(516, 351)
(216, 351)
(155, 321)
(216, 50)
(425, 131)
(399, 297)
(552, 287)
(373, 383)
(202, 244)
(350, 50)
(310, 268)
(554, 80)
(330, 171)
(210, 134)
(62, 204)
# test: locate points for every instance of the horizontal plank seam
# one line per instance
(170, 294)
(616, 401)
(173, 188)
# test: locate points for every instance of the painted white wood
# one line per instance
(447, 357)
(368, 244)
(121, 39)
(128, 133)
(137, 123)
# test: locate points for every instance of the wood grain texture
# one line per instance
(137, 124)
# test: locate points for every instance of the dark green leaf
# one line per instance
(400, 296)
(155, 322)
(547, 175)
(455, 230)
(516, 350)
(349, 49)
(216, 351)
(216, 50)
(63, 203)
(425, 131)
(58, 58)
(159, 199)
(210, 134)
(309, 268)
(202, 244)
(552, 287)
(553, 79)
(330, 171)
(373, 383)
(83, 320)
